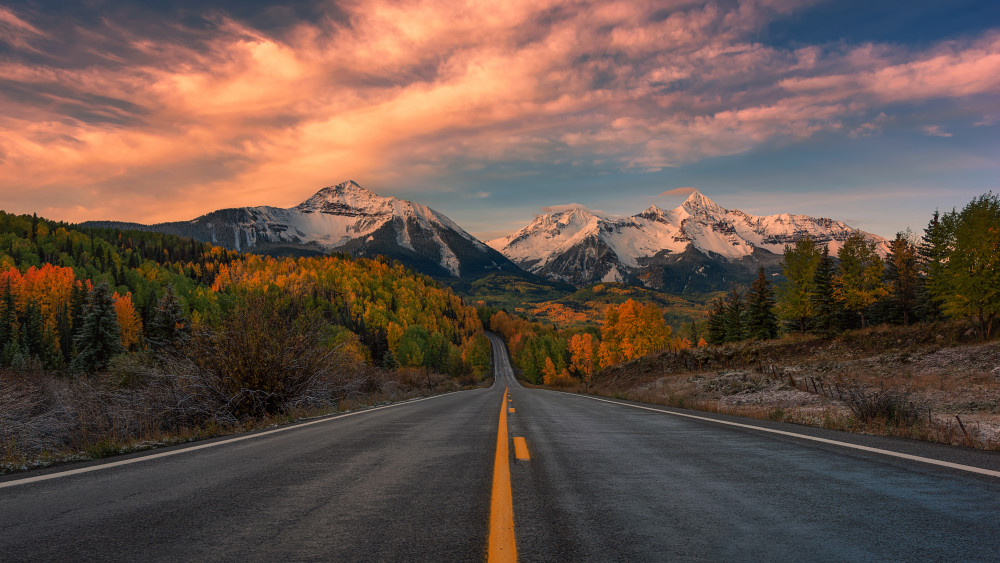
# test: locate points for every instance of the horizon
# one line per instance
(682, 193)
(871, 115)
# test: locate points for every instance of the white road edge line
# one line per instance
(931, 461)
(179, 451)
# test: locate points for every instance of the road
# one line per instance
(606, 481)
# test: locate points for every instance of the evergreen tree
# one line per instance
(717, 323)
(932, 254)
(169, 326)
(735, 316)
(762, 324)
(389, 360)
(32, 333)
(826, 321)
(903, 274)
(795, 295)
(65, 329)
(8, 315)
(77, 304)
(99, 338)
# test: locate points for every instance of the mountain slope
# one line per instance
(346, 218)
(699, 246)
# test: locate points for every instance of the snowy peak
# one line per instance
(654, 213)
(347, 198)
(578, 246)
(698, 205)
(349, 218)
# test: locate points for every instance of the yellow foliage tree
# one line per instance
(129, 323)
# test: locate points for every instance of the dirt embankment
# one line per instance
(931, 382)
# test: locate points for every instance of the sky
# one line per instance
(871, 112)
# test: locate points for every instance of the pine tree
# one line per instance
(99, 338)
(762, 324)
(932, 254)
(8, 315)
(735, 316)
(65, 329)
(903, 274)
(169, 326)
(826, 319)
(32, 333)
(717, 323)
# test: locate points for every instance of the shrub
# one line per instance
(870, 405)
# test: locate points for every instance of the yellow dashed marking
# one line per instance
(521, 448)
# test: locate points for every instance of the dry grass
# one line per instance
(929, 382)
(139, 404)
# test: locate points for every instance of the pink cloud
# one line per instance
(935, 131)
(679, 191)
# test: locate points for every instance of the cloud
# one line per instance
(873, 127)
(165, 121)
(935, 131)
(679, 191)
(16, 32)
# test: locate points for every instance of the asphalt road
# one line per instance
(605, 482)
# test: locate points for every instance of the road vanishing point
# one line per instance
(510, 473)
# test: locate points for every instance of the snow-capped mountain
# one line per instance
(351, 219)
(698, 246)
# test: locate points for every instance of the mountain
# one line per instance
(699, 246)
(345, 218)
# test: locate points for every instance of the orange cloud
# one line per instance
(679, 191)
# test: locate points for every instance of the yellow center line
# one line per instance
(511, 409)
(502, 546)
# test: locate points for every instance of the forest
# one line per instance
(107, 336)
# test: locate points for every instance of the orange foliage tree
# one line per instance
(632, 330)
(129, 323)
(583, 357)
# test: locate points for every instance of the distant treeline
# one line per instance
(952, 271)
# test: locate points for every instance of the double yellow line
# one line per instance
(502, 546)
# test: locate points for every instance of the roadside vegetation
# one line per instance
(903, 346)
(112, 340)
(934, 381)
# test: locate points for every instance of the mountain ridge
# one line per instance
(657, 248)
(345, 218)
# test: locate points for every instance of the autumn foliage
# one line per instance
(165, 288)
(563, 357)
